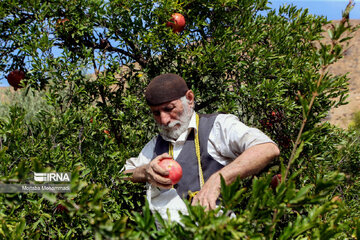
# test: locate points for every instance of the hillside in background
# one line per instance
(350, 64)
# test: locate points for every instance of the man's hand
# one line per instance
(209, 193)
(156, 175)
(152, 173)
(250, 162)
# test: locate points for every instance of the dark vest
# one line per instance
(188, 160)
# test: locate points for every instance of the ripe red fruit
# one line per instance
(60, 208)
(61, 21)
(107, 132)
(104, 43)
(275, 181)
(60, 24)
(14, 78)
(336, 199)
(177, 22)
(174, 168)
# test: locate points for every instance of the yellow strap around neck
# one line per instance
(197, 150)
(171, 150)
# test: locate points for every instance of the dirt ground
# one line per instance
(350, 63)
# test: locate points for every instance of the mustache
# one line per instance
(170, 125)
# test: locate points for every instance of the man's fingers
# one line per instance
(162, 156)
(156, 167)
(212, 205)
(194, 202)
(163, 186)
(197, 201)
(159, 170)
(204, 201)
(161, 180)
(157, 177)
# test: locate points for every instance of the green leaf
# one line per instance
(20, 227)
(50, 197)
(301, 194)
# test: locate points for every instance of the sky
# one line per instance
(332, 9)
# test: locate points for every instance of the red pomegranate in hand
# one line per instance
(177, 22)
(14, 78)
(174, 168)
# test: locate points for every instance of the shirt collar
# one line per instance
(192, 124)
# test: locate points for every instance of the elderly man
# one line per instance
(206, 146)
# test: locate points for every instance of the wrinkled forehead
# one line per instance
(167, 106)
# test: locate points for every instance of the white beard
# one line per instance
(174, 129)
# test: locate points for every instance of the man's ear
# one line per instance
(190, 97)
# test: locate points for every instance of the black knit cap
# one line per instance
(165, 88)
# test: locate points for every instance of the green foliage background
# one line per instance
(269, 70)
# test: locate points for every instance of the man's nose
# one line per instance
(164, 118)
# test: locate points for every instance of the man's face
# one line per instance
(172, 118)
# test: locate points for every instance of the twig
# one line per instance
(298, 138)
